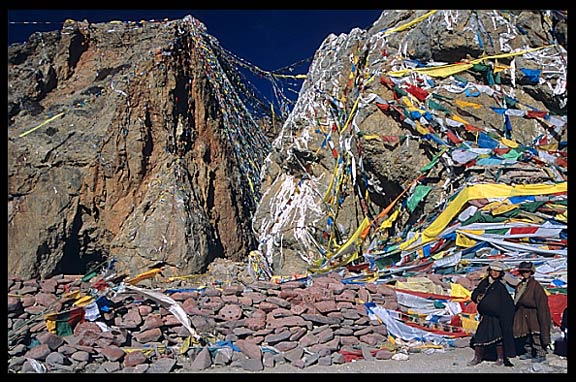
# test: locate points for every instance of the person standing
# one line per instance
(561, 343)
(533, 319)
(496, 308)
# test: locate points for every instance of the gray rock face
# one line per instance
(374, 110)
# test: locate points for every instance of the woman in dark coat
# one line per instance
(496, 308)
(533, 320)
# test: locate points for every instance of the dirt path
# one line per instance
(451, 361)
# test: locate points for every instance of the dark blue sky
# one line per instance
(270, 39)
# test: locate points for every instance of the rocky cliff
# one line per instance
(131, 141)
(392, 121)
(128, 140)
(418, 151)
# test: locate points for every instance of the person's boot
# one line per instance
(527, 353)
(525, 356)
(500, 355)
(478, 354)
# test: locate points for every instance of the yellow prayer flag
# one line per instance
(462, 103)
(410, 241)
(502, 209)
(451, 69)
(549, 147)
(480, 191)
(509, 143)
(498, 67)
(457, 118)
(85, 300)
(144, 275)
(354, 238)
(468, 324)
(490, 206)
(388, 222)
(146, 352)
(72, 295)
(457, 290)
(435, 71)
(439, 255)
(421, 129)
(51, 325)
(370, 137)
(408, 102)
(410, 23)
(464, 241)
(326, 197)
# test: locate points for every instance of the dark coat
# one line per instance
(496, 308)
(533, 313)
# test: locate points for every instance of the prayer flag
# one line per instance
(63, 323)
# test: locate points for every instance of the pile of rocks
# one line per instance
(249, 326)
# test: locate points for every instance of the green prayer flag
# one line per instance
(510, 102)
(63, 328)
(419, 193)
(63, 323)
(460, 78)
(439, 304)
(436, 106)
(442, 97)
(486, 70)
(432, 162)
(399, 91)
(482, 68)
(485, 217)
(531, 206)
(497, 231)
(89, 276)
(512, 154)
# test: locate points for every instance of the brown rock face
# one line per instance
(139, 156)
(130, 140)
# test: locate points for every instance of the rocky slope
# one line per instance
(132, 140)
(380, 105)
(126, 140)
(142, 180)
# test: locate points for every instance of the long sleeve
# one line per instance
(479, 290)
(543, 311)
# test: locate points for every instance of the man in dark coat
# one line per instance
(533, 320)
(496, 308)
(561, 343)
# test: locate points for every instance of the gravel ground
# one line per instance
(452, 361)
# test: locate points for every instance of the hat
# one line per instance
(527, 266)
(497, 266)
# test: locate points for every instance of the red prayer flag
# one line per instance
(469, 127)
(390, 138)
(383, 106)
(562, 162)
(522, 230)
(417, 92)
(501, 150)
(387, 81)
(452, 137)
(536, 114)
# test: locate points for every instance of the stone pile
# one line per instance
(246, 326)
